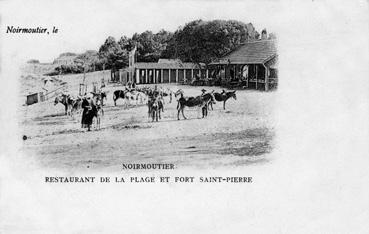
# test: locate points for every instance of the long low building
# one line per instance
(164, 71)
(252, 64)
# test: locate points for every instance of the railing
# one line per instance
(54, 92)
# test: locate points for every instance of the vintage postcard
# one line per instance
(171, 116)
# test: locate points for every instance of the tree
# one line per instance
(198, 42)
(272, 36)
(33, 61)
(88, 60)
(150, 46)
(113, 55)
(67, 69)
(203, 41)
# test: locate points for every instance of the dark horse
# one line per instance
(155, 106)
(223, 97)
(199, 101)
(66, 100)
(118, 94)
(99, 96)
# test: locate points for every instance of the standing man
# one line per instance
(203, 92)
(170, 96)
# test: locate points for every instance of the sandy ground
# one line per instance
(240, 135)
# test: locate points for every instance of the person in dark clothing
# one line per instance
(156, 92)
(87, 114)
(203, 92)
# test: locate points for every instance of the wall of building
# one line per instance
(165, 75)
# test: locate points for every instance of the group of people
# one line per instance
(91, 103)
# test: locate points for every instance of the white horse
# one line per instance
(141, 97)
(130, 98)
(99, 113)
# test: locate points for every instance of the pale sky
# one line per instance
(86, 24)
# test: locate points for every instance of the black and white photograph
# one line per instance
(201, 96)
(173, 116)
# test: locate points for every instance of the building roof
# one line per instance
(169, 61)
(256, 52)
(171, 65)
(34, 90)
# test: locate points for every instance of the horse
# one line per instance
(201, 101)
(155, 107)
(154, 112)
(223, 98)
(125, 95)
(66, 100)
(98, 112)
(130, 96)
(118, 94)
(76, 105)
(140, 97)
(99, 98)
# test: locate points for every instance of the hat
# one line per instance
(203, 90)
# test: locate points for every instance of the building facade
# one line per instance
(252, 65)
(164, 71)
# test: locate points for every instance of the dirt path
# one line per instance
(239, 135)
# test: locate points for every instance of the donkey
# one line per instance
(155, 107)
(67, 101)
(140, 97)
(223, 97)
(97, 112)
(118, 94)
(199, 102)
(126, 95)
(100, 96)
(131, 98)
(76, 105)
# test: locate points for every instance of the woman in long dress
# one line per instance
(87, 114)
